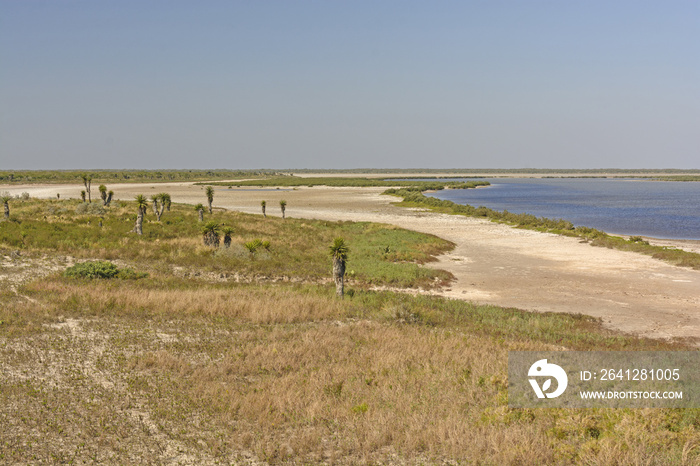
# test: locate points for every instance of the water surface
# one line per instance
(659, 209)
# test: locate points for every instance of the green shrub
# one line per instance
(92, 269)
(638, 239)
(101, 269)
(253, 245)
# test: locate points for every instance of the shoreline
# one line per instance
(67, 190)
(492, 263)
(685, 244)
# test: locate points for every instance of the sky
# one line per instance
(349, 84)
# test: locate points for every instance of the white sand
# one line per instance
(493, 263)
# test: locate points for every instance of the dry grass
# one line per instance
(185, 372)
(169, 370)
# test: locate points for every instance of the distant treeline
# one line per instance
(294, 181)
(497, 171)
(132, 176)
(126, 176)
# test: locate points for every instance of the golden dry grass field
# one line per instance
(223, 357)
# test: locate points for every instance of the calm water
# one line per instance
(660, 209)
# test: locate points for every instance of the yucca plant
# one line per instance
(5, 198)
(339, 253)
(141, 206)
(87, 181)
(103, 194)
(210, 234)
(165, 198)
(263, 204)
(82, 195)
(109, 198)
(253, 246)
(227, 232)
(155, 199)
(283, 206)
(200, 210)
(210, 196)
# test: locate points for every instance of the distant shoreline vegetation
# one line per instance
(295, 181)
(415, 198)
(166, 175)
(497, 171)
(411, 192)
(678, 178)
(126, 176)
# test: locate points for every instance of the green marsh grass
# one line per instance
(414, 198)
(294, 181)
(383, 254)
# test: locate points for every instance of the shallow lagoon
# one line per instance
(660, 209)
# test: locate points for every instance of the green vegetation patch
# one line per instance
(121, 176)
(413, 198)
(101, 269)
(679, 178)
(295, 181)
(288, 248)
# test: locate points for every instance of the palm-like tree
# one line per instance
(339, 253)
(155, 198)
(227, 231)
(87, 181)
(200, 210)
(82, 195)
(5, 198)
(141, 206)
(165, 199)
(109, 198)
(283, 206)
(103, 194)
(210, 196)
(210, 234)
(263, 204)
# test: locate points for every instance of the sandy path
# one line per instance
(493, 264)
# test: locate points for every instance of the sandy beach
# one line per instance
(492, 263)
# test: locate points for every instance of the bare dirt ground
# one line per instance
(492, 263)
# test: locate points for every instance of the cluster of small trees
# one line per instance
(212, 232)
(106, 196)
(86, 194)
(161, 203)
(211, 236)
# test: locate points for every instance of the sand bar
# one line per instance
(493, 263)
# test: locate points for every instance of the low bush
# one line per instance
(101, 269)
(89, 209)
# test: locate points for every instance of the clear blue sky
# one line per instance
(331, 84)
